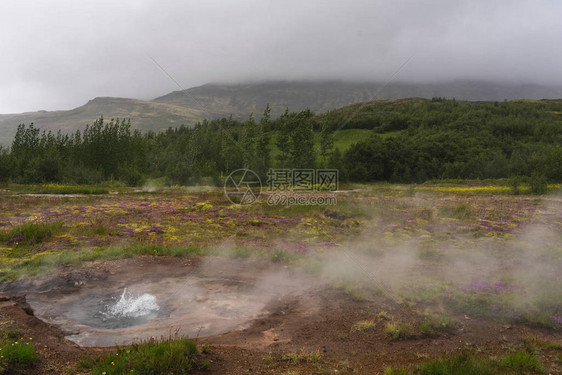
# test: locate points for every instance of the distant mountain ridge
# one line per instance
(144, 115)
(218, 100)
(241, 99)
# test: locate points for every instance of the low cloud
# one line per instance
(60, 54)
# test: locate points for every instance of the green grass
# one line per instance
(461, 212)
(99, 228)
(302, 357)
(363, 326)
(69, 189)
(172, 356)
(30, 233)
(434, 327)
(343, 139)
(10, 334)
(535, 344)
(45, 262)
(535, 308)
(16, 353)
(394, 371)
(520, 363)
(352, 289)
(396, 331)
(463, 364)
(291, 210)
(282, 256)
(240, 252)
(515, 363)
(61, 189)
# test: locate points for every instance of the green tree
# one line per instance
(6, 165)
(262, 144)
(326, 142)
(283, 139)
(301, 141)
(248, 142)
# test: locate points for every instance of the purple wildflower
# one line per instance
(328, 244)
(484, 287)
(155, 229)
(17, 238)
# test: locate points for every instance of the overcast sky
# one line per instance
(59, 54)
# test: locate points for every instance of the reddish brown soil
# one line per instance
(318, 322)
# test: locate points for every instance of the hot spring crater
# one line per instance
(127, 301)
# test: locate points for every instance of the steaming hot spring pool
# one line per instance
(135, 302)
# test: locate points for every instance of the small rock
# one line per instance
(4, 297)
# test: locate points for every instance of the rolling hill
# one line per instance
(241, 99)
(144, 115)
(216, 101)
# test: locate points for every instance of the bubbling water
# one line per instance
(118, 312)
(131, 306)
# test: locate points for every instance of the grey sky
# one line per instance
(59, 54)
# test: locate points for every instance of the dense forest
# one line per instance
(412, 140)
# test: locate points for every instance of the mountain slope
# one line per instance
(241, 99)
(144, 115)
(216, 101)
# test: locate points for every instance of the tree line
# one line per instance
(448, 139)
(411, 141)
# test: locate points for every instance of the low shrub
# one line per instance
(17, 356)
(363, 326)
(437, 326)
(397, 331)
(172, 356)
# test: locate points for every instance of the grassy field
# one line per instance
(37, 233)
(442, 250)
(343, 139)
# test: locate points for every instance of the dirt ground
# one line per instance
(318, 321)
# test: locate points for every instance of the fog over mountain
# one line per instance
(187, 107)
(57, 55)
